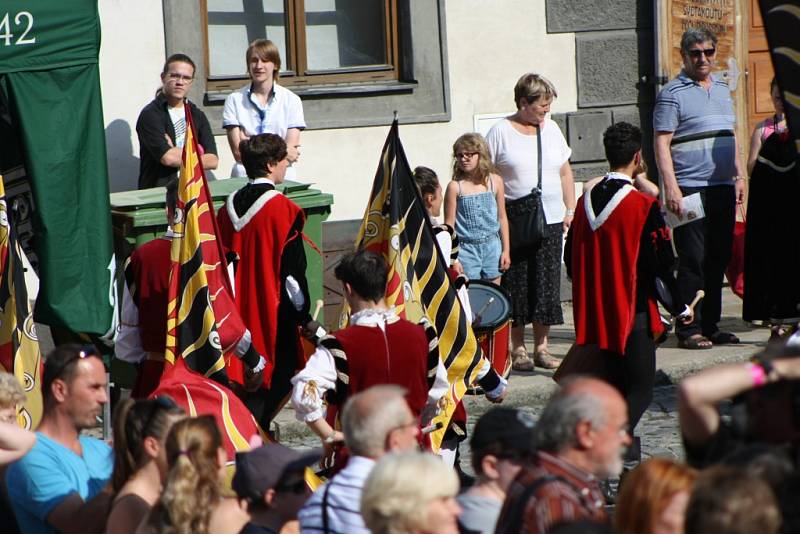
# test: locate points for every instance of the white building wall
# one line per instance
(489, 45)
(131, 57)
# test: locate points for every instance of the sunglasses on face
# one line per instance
(466, 155)
(709, 52)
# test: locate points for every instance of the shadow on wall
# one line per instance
(123, 164)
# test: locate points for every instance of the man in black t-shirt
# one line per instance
(161, 126)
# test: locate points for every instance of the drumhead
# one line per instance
(490, 304)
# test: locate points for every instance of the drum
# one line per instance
(491, 322)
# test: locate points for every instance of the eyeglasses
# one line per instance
(175, 76)
(709, 52)
(466, 155)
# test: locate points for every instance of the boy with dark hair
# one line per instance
(262, 231)
(621, 234)
(260, 151)
(377, 348)
(365, 272)
(161, 126)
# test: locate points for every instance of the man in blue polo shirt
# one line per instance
(61, 485)
(697, 152)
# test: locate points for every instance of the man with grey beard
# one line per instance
(580, 439)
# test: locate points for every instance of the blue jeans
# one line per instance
(481, 260)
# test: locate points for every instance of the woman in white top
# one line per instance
(263, 106)
(534, 278)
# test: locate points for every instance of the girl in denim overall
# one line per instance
(474, 205)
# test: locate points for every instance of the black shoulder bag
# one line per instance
(526, 225)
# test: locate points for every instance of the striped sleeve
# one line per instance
(339, 393)
(433, 350)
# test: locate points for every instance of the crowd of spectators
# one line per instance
(169, 473)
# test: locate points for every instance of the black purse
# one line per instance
(526, 228)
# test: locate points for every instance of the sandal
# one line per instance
(545, 360)
(696, 342)
(723, 338)
(520, 361)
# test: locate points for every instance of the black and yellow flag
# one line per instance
(397, 226)
(202, 320)
(782, 26)
(19, 347)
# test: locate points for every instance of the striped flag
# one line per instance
(202, 321)
(198, 395)
(19, 347)
(397, 226)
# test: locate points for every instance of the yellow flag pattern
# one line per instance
(191, 324)
(397, 226)
(19, 346)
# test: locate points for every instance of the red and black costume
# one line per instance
(617, 246)
(143, 326)
(261, 231)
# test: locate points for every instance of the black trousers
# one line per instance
(704, 250)
(634, 373)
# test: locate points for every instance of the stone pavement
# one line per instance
(658, 427)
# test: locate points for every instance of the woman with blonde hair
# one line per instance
(653, 498)
(140, 459)
(411, 493)
(192, 501)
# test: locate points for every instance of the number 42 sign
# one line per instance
(23, 21)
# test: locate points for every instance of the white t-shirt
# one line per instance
(178, 117)
(515, 157)
(284, 110)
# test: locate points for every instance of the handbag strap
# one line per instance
(539, 157)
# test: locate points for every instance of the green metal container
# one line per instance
(139, 216)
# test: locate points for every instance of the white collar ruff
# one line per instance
(597, 220)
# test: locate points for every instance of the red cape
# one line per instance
(258, 238)
(605, 250)
(199, 395)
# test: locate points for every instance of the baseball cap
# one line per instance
(509, 428)
(262, 468)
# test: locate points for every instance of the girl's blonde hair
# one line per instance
(399, 488)
(12, 394)
(192, 490)
(473, 142)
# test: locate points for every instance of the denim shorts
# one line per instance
(481, 260)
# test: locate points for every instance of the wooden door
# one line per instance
(759, 69)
